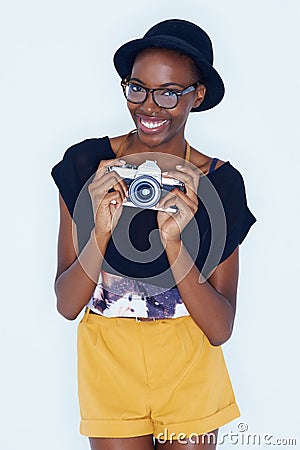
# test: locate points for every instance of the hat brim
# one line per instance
(126, 54)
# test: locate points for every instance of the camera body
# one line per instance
(146, 185)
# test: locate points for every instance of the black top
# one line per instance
(220, 224)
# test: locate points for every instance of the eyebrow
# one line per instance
(164, 85)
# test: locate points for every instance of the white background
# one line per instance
(59, 86)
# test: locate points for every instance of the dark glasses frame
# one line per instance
(125, 83)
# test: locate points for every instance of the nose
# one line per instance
(149, 104)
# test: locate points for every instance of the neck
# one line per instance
(175, 146)
(167, 155)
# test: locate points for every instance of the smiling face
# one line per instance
(164, 69)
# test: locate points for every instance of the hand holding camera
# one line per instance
(186, 203)
(173, 194)
(107, 202)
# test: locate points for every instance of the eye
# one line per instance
(135, 88)
(168, 93)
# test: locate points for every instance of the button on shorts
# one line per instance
(159, 377)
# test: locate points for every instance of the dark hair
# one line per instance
(196, 71)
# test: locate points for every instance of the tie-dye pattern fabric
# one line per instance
(117, 296)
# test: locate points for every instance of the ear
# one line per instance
(199, 95)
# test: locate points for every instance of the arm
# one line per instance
(77, 275)
(211, 304)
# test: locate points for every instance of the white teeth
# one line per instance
(151, 124)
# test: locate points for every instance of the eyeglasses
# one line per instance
(163, 98)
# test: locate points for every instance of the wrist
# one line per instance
(101, 238)
(169, 240)
(171, 244)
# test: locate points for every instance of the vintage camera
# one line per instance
(146, 185)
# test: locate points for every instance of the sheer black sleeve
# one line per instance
(78, 165)
(223, 218)
(239, 218)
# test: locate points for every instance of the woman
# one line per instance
(149, 238)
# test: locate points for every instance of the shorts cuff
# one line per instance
(196, 427)
(116, 428)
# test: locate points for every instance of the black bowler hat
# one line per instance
(184, 37)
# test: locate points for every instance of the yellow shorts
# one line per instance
(159, 377)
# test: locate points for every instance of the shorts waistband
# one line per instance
(138, 319)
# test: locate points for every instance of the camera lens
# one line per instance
(144, 192)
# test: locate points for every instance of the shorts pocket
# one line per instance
(89, 332)
(191, 337)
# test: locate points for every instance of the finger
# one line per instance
(104, 164)
(107, 182)
(188, 176)
(189, 199)
(180, 207)
(176, 197)
(189, 168)
(111, 162)
(113, 198)
(106, 200)
(120, 180)
(194, 174)
(114, 180)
